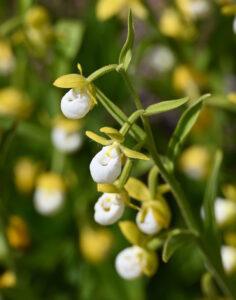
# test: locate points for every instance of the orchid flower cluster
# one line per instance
(111, 170)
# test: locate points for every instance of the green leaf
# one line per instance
(184, 126)
(126, 51)
(69, 34)
(176, 239)
(210, 195)
(165, 106)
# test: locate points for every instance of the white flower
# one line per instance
(109, 209)
(225, 211)
(228, 255)
(75, 105)
(130, 262)
(149, 225)
(234, 25)
(161, 59)
(48, 202)
(66, 141)
(199, 8)
(105, 167)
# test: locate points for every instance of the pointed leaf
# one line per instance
(70, 81)
(164, 106)
(184, 126)
(126, 51)
(133, 154)
(176, 239)
(97, 138)
(137, 190)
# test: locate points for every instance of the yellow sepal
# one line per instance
(131, 233)
(97, 138)
(163, 188)
(151, 264)
(161, 212)
(70, 81)
(134, 154)
(112, 133)
(107, 188)
(137, 190)
(229, 9)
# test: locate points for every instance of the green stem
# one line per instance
(102, 71)
(131, 120)
(152, 181)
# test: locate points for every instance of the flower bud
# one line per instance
(95, 244)
(65, 135)
(134, 261)
(228, 255)
(105, 167)
(225, 211)
(109, 209)
(17, 233)
(49, 193)
(76, 104)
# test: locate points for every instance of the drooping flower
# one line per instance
(25, 174)
(135, 261)
(106, 166)
(154, 214)
(66, 136)
(109, 208)
(194, 9)
(228, 254)
(80, 99)
(106, 9)
(225, 211)
(49, 193)
(95, 244)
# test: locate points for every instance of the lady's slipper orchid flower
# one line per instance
(155, 213)
(105, 167)
(49, 193)
(225, 211)
(135, 261)
(194, 9)
(109, 208)
(65, 135)
(80, 99)
(228, 254)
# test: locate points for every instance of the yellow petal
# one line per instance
(131, 233)
(70, 81)
(133, 154)
(137, 190)
(112, 133)
(97, 138)
(163, 188)
(151, 263)
(229, 9)
(108, 8)
(161, 212)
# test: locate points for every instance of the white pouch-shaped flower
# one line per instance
(225, 211)
(105, 167)
(130, 262)
(66, 141)
(76, 104)
(228, 254)
(234, 25)
(149, 224)
(109, 209)
(48, 202)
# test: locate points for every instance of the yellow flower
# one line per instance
(14, 102)
(17, 233)
(25, 172)
(108, 8)
(7, 279)
(95, 244)
(172, 25)
(7, 59)
(194, 161)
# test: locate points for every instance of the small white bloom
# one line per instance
(66, 141)
(161, 59)
(75, 105)
(199, 8)
(225, 210)
(130, 262)
(228, 255)
(234, 25)
(48, 202)
(149, 225)
(105, 167)
(109, 209)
